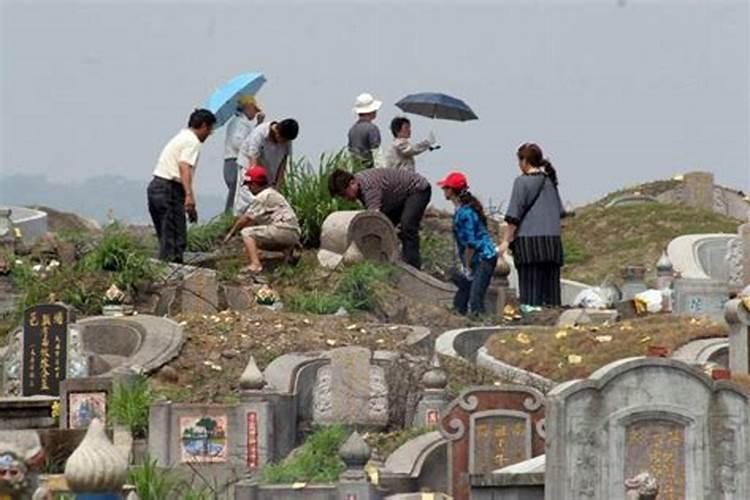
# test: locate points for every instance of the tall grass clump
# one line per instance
(204, 237)
(129, 405)
(316, 461)
(152, 482)
(359, 283)
(306, 188)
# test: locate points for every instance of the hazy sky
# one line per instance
(616, 92)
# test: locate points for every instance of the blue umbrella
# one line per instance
(436, 105)
(223, 101)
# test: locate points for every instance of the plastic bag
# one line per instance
(590, 298)
(652, 299)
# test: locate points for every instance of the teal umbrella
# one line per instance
(223, 101)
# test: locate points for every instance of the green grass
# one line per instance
(316, 461)
(600, 241)
(438, 253)
(129, 405)
(306, 189)
(356, 288)
(152, 482)
(205, 237)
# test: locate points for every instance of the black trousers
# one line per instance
(409, 219)
(539, 283)
(166, 204)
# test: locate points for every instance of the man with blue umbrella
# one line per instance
(170, 193)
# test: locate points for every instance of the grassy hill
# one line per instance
(599, 241)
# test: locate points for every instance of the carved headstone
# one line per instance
(744, 233)
(699, 190)
(351, 390)
(354, 235)
(647, 414)
(489, 428)
(699, 297)
(45, 349)
(733, 260)
(200, 292)
(737, 316)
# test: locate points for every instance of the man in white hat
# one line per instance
(364, 136)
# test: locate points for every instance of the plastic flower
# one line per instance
(266, 296)
(56, 410)
(114, 295)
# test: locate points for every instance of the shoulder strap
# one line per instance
(533, 200)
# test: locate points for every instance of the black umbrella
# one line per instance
(436, 105)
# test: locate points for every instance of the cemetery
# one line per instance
(345, 375)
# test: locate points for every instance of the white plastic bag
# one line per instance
(653, 300)
(590, 298)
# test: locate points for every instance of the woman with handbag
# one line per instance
(533, 229)
(476, 250)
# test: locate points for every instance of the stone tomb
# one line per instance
(82, 400)
(650, 415)
(351, 390)
(489, 428)
(228, 438)
(45, 349)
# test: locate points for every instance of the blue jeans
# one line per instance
(469, 297)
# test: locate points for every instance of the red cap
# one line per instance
(257, 175)
(454, 180)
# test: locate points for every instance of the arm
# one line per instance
(466, 231)
(283, 165)
(186, 177)
(373, 199)
(405, 148)
(508, 236)
(243, 220)
(253, 147)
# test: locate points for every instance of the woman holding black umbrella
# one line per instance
(533, 229)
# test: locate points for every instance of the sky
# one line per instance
(616, 92)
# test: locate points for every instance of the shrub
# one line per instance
(359, 282)
(204, 237)
(316, 461)
(316, 302)
(152, 482)
(129, 405)
(306, 189)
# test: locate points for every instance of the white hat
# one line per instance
(366, 103)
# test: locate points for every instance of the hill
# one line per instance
(599, 241)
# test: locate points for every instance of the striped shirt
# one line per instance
(387, 189)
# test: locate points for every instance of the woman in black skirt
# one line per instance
(533, 229)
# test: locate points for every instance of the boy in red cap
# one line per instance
(268, 222)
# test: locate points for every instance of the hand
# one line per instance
(433, 148)
(259, 117)
(503, 248)
(192, 213)
(466, 273)
(228, 237)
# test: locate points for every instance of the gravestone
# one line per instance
(699, 190)
(653, 415)
(356, 235)
(351, 390)
(744, 233)
(199, 293)
(737, 316)
(45, 349)
(699, 297)
(489, 428)
(84, 399)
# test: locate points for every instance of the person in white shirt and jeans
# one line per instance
(170, 192)
(239, 128)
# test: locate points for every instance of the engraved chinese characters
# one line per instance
(657, 446)
(45, 349)
(499, 441)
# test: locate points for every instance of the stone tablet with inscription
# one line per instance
(45, 349)
(654, 415)
(351, 390)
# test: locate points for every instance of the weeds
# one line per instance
(357, 289)
(306, 189)
(129, 405)
(152, 482)
(204, 237)
(316, 461)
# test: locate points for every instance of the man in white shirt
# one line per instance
(239, 128)
(269, 146)
(170, 192)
